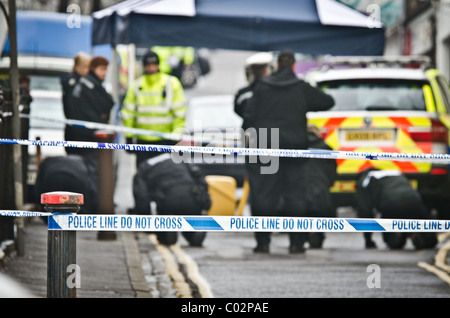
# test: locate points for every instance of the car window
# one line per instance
(213, 114)
(46, 83)
(46, 107)
(46, 103)
(443, 87)
(376, 94)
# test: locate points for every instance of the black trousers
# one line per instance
(180, 200)
(278, 194)
(406, 204)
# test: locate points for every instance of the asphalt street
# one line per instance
(229, 268)
(226, 267)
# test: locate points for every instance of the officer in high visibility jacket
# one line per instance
(155, 102)
(173, 59)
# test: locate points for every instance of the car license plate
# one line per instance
(349, 186)
(341, 186)
(369, 135)
(380, 137)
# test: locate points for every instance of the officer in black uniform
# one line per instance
(277, 112)
(176, 188)
(257, 66)
(88, 101)
(390, 193)
(71, 173)
(319, 175)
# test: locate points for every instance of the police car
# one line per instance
(212, 118)
(386, 104)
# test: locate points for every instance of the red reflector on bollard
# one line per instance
(61, 197)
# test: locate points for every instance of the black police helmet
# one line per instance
(150, 58)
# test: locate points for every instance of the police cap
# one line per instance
(261, 58)
(150, 58)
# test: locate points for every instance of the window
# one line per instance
(443, 87)
(212, 113)
(46, 107)
(46, 83)
(376, 94)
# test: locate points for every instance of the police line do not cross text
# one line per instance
(154, 223)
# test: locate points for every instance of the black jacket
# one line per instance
(241, 99)
(69, 173)
(178, 185)
(389, 193)
(89, 101)
(319, 175)
(281, 101)
(68, 83)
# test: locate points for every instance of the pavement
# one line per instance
(108, 268)
(111, 268)
(133, 265)
(128, 266)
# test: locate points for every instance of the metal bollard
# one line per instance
(61, 245)
(106, 181)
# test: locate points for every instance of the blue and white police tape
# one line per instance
(98, 126)
(24, 213)
(198, 138)
(220, 223)
(156, 223)
(291, 153)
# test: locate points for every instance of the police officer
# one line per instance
(176, 188)
(319, 175)
(174, 59)
(80, 69)
(71, 173)
(279, 106)
(155, 102)
(390, 193)
(89, 101)
(256, 67)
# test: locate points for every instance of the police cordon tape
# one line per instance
(289, 153)
(115, 128)
(24, 213)
(134, 131)
(190, 223)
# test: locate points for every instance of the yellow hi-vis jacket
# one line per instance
(154, 102)
(173, 54)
